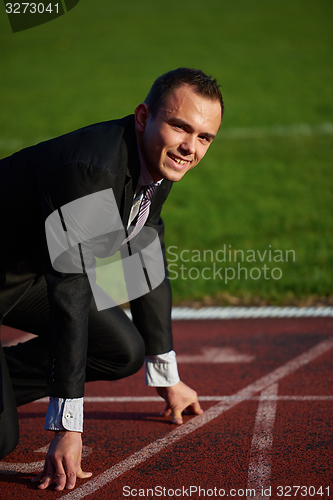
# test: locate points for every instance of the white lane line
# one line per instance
(262, 441)
(296, 129)
(216, 355)
(157, 399)
(186, 313)
(24, 468)
(197, 422)
(27, 468)
(299, 129)
(230, 312)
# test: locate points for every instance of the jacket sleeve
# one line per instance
(69, 289)
(152, 311)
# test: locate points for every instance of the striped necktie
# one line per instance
(143, 210)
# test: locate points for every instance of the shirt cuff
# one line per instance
(64, 415)
(161, 370)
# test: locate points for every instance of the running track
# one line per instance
(266, 387)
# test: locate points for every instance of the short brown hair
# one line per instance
(165, 84)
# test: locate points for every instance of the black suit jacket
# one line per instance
(39, 180)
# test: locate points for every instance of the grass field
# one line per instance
(265, 185)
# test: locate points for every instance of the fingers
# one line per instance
(167, 411)
(193, 409)
(177, 416)
(64, 475)
(48, 479)
(196, 408)
(175, 413)
(63, 462)
(180, 399)
(83, 475)
(54, 472)
(65, 479)
(40, 476)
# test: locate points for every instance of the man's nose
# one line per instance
(188, 146)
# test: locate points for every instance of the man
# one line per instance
(76, 340)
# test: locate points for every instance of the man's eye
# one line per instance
(180, 127)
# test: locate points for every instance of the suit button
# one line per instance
(68, 415)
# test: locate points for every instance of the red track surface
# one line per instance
(278, 436)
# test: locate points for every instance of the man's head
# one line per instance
(178, 121)
(200, 82)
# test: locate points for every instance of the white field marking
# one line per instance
(187, 313)
(262, 441)
(216, 355)
(27, 468)
(183, 313)
(297, 129)
(157, 399)
(196, 422)
(17, 468)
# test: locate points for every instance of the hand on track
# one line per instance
(63, 462)
(179, 398)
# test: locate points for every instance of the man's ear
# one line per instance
(142, 114)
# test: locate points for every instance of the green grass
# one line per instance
(261, 200)
(273, 60)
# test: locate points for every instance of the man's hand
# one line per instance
(178, 398)
(63, 462)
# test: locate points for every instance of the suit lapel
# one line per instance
(128, 200)
(132, 170)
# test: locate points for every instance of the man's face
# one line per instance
(178, 137)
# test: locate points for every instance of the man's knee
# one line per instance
(134, 357)
(114, 364)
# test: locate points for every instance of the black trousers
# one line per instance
(115, 350)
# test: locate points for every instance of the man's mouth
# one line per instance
(178, 160)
